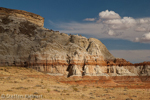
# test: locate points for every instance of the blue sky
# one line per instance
(122, 25)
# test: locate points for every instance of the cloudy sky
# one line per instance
(122, 25)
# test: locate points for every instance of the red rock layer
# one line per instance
(141, 64)
(110, 79)
(118, 62)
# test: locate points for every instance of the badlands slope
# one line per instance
(25, 42)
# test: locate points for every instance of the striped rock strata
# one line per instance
(25, 42)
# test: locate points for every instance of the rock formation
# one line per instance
(25, 42)
(7, 14)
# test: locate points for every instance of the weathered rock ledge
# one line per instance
(25, 42)
(31, 17)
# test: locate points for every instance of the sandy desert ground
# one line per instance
(18, 83)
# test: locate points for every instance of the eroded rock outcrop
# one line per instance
(25, 42)
(7, 14)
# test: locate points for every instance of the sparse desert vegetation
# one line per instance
(23, 81)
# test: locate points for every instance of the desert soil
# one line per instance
(26, 82)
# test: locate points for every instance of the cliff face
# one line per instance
(24, 42)
(5, 14)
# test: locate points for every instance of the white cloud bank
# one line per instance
(134, 56)
(145, 38)
(109, 15)
(110, 25)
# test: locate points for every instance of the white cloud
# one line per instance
(140, 29)
(109, 25)
(146, 36)
(133, 56)
(109, 15)
(113, 22)
(89, 19)
(111, 32)
(143, 21)
(144, 39)
(137, 39)
(121, 24)
(81, 28)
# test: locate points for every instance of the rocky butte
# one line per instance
(25, 42)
